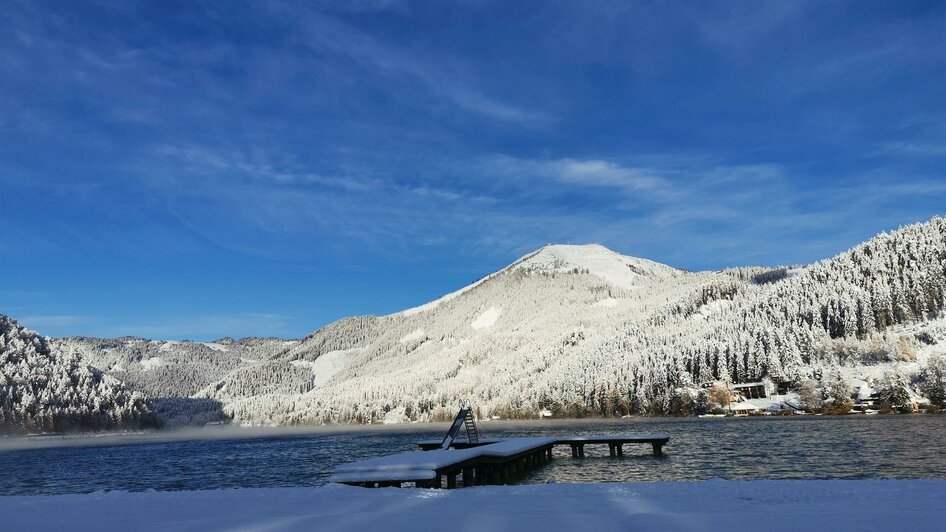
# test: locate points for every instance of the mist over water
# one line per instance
(851, 447)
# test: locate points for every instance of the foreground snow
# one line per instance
(713, 505)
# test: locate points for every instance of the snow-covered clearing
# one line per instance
(149, 364)
(861, 505)
(327, 365)
(609, 302)
(713, 307)
(413, 336)
(213, 346)
(487, 319)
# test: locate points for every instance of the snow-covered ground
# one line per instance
(861, 505)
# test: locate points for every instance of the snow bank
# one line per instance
(862, 505)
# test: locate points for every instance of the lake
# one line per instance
(808, 447)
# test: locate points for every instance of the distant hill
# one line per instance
(45, 390)
(574, 330)
(171, 372)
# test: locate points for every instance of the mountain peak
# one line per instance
(619, 270)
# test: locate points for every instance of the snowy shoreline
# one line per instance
(709, 505)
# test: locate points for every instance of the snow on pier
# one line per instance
(478, 463)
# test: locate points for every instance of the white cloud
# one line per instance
(596, 172)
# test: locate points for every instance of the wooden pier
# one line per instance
(478, 462)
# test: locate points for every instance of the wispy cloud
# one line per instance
(919, 148)
(686, 202)
(235, 165)
(601, 173)
(448, 79)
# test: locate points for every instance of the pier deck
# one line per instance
(479, 463)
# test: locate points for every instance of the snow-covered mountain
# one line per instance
(578, 330)
(582, 330)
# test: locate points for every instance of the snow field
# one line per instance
(810, 505)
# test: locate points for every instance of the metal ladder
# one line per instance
(471, 434)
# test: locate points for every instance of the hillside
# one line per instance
(171, 372)
(42, 389)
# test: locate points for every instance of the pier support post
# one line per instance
(451, 481)
(620, 449)
(574, 451)
(612, 449)
(468, 479)
(581, 451)
(550, 453)
(658, 449)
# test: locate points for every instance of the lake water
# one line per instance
(850, 447)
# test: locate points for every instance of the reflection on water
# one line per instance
(744, 448)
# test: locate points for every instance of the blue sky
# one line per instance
(200, 169)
